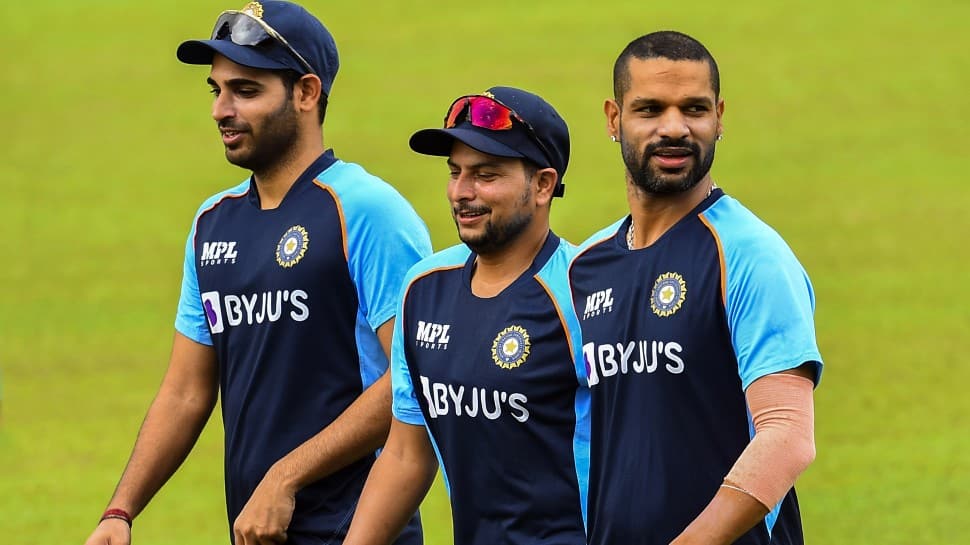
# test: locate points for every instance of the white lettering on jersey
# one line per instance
(608, 360)
(599, 302)
(302, 311)
(432, 335)
(254, 308)
(218, 253)
(446, 399)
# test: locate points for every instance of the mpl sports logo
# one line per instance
(218, 253)
(598, 302)
(432, 336)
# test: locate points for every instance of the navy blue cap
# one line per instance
(549, 128)
(304, 32)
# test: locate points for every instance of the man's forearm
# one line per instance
(395, 487)
(359, 431)
(783, 446)
(727, 517)
(170, 430)
(172, 425)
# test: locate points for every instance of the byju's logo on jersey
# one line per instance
(433, 336)
(448, 399)
(599, 302)
(213, 311)
(292, 246)
(511, 347)
(218, 253)
(668, 295)
(222, 311)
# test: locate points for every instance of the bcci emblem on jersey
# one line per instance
(292, 246)
(669, 292)
(511, 347)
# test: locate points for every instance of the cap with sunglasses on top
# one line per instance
(505, 122)
(269, 35)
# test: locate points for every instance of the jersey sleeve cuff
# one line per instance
(199, 335)
(408, 416)
(814, 359)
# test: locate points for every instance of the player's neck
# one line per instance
(274, 182)
(653, 214)
(496, 271)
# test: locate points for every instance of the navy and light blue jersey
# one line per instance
(290, 299)
(673, 335)
(496, 383)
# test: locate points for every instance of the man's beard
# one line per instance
(496, 236)
(649, 180)
(276, 140)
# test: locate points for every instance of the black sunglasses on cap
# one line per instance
(243, 28)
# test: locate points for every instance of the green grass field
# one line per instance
(846, 129)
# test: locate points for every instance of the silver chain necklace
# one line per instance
(629, 231)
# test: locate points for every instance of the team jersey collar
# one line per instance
(619, 238)
(548, 248)
(316, 167)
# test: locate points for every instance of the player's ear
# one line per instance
(306, 92)
(720, 115)
(612, 111)
(545, 180)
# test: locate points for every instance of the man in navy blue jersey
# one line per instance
(288, 300)
(483, 358)
(698, 329)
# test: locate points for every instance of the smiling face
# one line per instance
(255, 114)
(493, 199)
(667, 122)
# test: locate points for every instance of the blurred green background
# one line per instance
(846, 129)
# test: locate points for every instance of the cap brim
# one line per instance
(202, 51)
(440, 141)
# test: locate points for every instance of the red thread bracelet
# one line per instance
(119, 514)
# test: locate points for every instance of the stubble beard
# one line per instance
(656, 182)
(496, 237)
(275, 142)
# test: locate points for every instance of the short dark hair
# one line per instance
(667, 44)
(290, 77)
(531, 168)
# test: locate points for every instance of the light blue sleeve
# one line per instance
(190, 317)
(555, 276)
(770, 303)
(603, 234)
(385, 237)
(404, 403)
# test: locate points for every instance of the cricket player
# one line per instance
(288, 299)
(483, 360)
(698, 330)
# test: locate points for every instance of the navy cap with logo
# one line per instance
(269, 35)
(505, 122)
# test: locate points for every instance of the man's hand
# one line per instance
(266, 516)
(110, 532)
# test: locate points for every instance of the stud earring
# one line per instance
(720, 137)
(613, 137)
